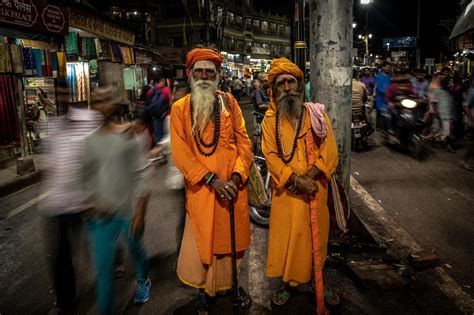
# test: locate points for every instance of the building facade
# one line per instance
(249, 39)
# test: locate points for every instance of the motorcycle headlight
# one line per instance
(410, 104)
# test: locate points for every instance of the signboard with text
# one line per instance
(98, 26)
(400, 42)
(35, 15)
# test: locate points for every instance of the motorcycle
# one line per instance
(409, 125)
(361, 130)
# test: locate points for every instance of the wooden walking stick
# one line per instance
(240, 298)
(316, 234)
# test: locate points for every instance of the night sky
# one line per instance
(394, 18)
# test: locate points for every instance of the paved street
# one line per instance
(432, 200)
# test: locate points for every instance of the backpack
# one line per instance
(158, 106)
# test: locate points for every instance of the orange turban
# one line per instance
(198, 54)
(283, 66)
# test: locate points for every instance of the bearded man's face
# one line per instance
(204, 80)
(289, 96)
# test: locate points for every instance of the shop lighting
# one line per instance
(154, 68)
(135, 12)
(365, 1)
(370, 35)
(354, 25)
(248, 57)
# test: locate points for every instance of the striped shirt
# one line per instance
(65, 147)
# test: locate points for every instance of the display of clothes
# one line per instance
(128, 55)
(77, 81)
(9, 124)
(5, 58)
(88, 48)
(72, 46)
(44, 63)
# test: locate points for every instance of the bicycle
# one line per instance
(260, 214)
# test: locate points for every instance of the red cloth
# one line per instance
(199, 54)
(9, 125)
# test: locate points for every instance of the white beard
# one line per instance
(203, 95)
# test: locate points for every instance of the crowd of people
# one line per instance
(444, 98)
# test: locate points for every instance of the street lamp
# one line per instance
(367, 36)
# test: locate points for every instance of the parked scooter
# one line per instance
(408, 127)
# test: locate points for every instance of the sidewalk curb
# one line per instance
(19, 182)
(387, 232)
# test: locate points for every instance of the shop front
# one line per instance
(99, 53)
(31, 62)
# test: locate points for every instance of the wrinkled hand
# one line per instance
(313, 172)
(223, 189)
(306, 185)
(236, 179)
(294, 190)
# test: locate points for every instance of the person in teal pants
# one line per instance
(116, 198)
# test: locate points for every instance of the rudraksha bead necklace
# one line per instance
(217, 130)
(287, 157)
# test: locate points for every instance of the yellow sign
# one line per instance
(101, 28)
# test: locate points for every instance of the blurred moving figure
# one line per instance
(113, 167)
(63, 206)
(469, 111)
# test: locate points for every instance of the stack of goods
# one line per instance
(11, 59)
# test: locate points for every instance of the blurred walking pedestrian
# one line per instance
(113, 167)
(63, 206)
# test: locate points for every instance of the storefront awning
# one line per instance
(465, 22)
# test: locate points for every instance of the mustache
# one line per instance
(290, 94)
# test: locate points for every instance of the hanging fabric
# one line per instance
(9, 125)
(29, 61)
(17, 59)
(5, 58)
(62, 71)
(72, 50)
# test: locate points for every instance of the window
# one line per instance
(240, 45)
(281, 29)
(256, 45)
(248, 24)
(287, 31)
(256, 23)
(273, 28)
(266, 46)
(287, 50)
(238, 20)
(230, 18)
(265, 27)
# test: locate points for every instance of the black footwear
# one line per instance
(202, 305)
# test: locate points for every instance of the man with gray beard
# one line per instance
(301, 155)
(211, 148)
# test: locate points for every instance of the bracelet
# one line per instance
(210, 178)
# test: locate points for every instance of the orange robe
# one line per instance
(290, 240)
(209, 214)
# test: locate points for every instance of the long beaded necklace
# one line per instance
(217, 130)
(287, 157)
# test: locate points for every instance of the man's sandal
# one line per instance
(280, 297)
(332, 297)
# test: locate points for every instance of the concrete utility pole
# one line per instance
(331, 70)
(418, 32)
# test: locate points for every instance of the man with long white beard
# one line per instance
(211, 148)
(301, 155)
